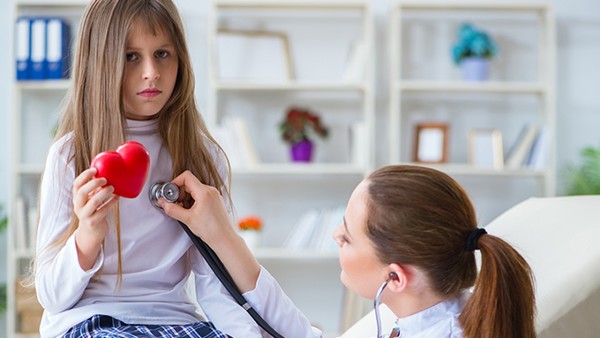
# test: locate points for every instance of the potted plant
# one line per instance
(3, 294)
(473, 52)
(249, 229)
(299, 125)
(585, 179)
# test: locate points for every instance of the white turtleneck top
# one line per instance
(157, 256)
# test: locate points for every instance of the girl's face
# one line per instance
(150, 72)
(362, 271)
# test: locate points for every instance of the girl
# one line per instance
(408, 238)
(106, 265)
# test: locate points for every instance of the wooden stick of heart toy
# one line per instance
(126, 169)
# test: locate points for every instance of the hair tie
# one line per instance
(473, 238)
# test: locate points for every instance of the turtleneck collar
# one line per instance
(143, 127)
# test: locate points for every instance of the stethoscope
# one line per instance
(170, 192)
(376, 303)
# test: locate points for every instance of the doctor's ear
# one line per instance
(397, 278)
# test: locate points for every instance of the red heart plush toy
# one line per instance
(125, 169)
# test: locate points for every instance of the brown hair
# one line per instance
(422, 217)
(94, 111)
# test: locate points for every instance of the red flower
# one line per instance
(250, 223)
(299, 123)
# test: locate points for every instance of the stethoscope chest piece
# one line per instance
(169, 191)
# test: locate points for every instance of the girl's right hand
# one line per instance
(92, 201)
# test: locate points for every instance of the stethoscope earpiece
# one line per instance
(391, 276)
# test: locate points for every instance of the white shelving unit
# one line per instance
(275, 189)
(520, 91)
(33, 115)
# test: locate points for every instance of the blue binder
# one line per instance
(38, 63)
(57, 48)
(23, 48)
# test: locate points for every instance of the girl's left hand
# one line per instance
(201, 208)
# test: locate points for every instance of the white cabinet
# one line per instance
(425, 86)
(329, 51)
(33, 118)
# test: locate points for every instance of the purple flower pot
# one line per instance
(475, 69)
(302, 151)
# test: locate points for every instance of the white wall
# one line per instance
(578, 79)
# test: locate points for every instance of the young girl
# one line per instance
(107, 265)
(408, 231)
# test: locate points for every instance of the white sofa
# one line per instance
(560, 238)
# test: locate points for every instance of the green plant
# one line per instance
(473, 42)
(585, 179)
(3, 224)
(299, 123)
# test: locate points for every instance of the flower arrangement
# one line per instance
(250, 223)
(299, 123)
(473, 42)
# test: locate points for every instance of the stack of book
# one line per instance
(530, 149)
(42, 48)
(313, 230)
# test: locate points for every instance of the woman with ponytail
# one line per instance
(411, 228)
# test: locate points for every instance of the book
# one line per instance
(517, 156)
(538, 158)
(358, 144)
(225, 139)
(23, 48)
(20, 224)
(233, 135)
(355, 62)
(57, 51)
(38, 62)
(302, 231)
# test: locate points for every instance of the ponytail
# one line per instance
(503, 303)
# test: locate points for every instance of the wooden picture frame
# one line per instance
(485, 148)
(253, 56)
(431, 141)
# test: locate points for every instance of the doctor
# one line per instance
(407, 239)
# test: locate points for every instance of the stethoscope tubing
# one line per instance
(225, 278)
(376, 307)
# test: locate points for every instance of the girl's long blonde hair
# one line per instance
(94, 110)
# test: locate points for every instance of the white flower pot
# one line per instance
(475, 69)
(251, 238)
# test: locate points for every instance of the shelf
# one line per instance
(23, 253)
(289, 86)
(300, 169)
(52, 3)
(30, 169)
(282, 254)
(472, 87)
(471, 6)
(466, 169)
(290, 4)
(46, 85)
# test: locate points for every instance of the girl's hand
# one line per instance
(92, 201)
(200, 207)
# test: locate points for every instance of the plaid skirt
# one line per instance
(108, 327)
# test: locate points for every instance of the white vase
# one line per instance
(251, 238)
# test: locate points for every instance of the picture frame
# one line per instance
(431, 143)
(485, 148)
(253, 56)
